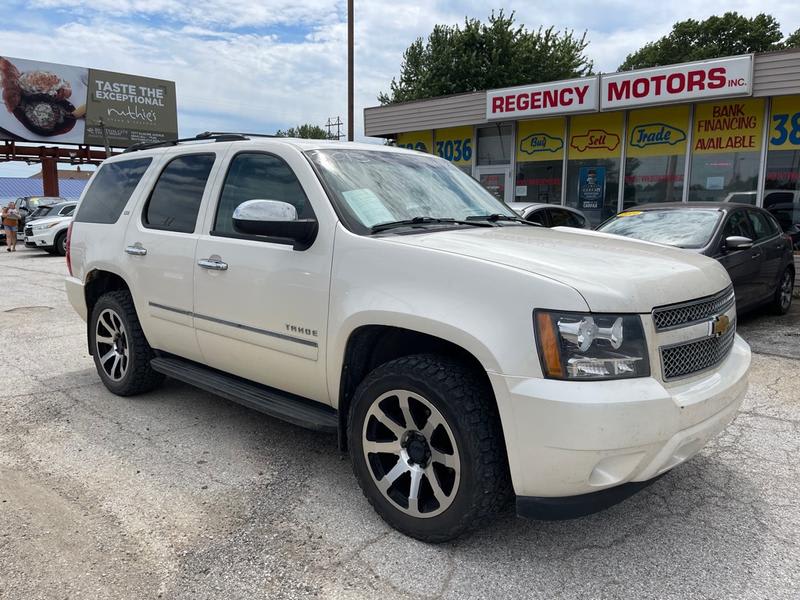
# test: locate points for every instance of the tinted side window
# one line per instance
(762, 227)
(537, 216)
(68, 211)
(738, 225)
(564, 218)
(110, 190)
(774, 198)
(254, 176)
(175, 199)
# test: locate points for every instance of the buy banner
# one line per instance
(542, 139)
(731, 126)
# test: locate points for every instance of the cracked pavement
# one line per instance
(179, 494)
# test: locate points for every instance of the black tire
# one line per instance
(466, 404)
(60, 244)
(781, 302)
(138, 376)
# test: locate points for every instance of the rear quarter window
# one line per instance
(110, 191)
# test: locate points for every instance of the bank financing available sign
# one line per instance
(53, 103)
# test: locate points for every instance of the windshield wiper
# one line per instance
(422, 221)
(494, 217)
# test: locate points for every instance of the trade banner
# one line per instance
(454, 144)
(784, 123)
(732, 126)
(540, 140)
(421, 141)
(596, 136)
(658, 131)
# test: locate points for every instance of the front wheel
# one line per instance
(782, 301)
(427, 447)
(60, 245)
(121, 352)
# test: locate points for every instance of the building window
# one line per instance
(540, 156)
(655, 155)
(595, 146)
(726, 148)
(782, 187)
(494, 144)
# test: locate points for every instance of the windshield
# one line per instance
(374, 187)
(681, 228)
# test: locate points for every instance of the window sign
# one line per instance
(784, 123)
(591, 188)
(733, 126)
(454, 144)
(596, 136)
(540, 140)
(421, 141)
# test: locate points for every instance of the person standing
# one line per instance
(10, 223)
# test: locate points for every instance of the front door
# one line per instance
(497, 181)
(261, 307)
(743, 265)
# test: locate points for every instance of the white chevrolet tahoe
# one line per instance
(461, 354)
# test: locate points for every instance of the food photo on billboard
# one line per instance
(42, 102)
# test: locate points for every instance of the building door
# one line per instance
(497, 181)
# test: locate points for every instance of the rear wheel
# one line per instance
(427, 447)
(782, 300)
(121, 352)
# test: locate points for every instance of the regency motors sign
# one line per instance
(46, 102)
(688, 82)
(725, 77)
(560, 97)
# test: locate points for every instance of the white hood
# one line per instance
(612, 273)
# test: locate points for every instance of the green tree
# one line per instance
(481, 56)
(717, 36)
(307, 131)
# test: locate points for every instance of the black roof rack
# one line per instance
(213, 136)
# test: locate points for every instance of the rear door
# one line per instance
(744, 265)
(261, 313)
(159, 251)
(770, 243)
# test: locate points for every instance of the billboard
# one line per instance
(61, 104)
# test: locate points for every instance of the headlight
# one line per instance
(584, 346)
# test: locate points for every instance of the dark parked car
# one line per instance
(747, 240)
(550, 215)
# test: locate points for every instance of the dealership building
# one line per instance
(719, 130)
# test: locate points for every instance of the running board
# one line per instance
(282, 405)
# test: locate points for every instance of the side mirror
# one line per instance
(275, 219)
(738, 242)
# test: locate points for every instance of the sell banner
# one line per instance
(658, 131)
(734, 126)
(540, 140)
(784, 123)
(416, 140)
(454, 144)
(596, 136)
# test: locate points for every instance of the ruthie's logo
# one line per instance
(652, 134)
(540, 142)
(595, 139)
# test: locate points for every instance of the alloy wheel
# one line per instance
(111, 344)
(411, 453)
(786, 290)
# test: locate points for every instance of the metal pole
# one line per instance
(105, 138)
(350, 52)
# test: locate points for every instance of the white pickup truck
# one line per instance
(461, 354)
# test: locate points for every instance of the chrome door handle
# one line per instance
(136, 250)
(213, 263)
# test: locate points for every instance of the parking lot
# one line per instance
(179, 494)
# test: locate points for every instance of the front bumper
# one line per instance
(567, 438)
(44, 239)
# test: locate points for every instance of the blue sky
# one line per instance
(260, 65)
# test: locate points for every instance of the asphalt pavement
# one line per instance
(179, 494)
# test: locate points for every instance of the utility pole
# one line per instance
(350, 52)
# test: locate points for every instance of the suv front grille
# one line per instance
(28, 230)
(686, 313)
(692, 357)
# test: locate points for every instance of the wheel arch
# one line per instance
(97, 283)
(369, 346)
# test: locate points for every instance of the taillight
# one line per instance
(69, 239)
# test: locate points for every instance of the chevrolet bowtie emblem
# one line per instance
(720, 325)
